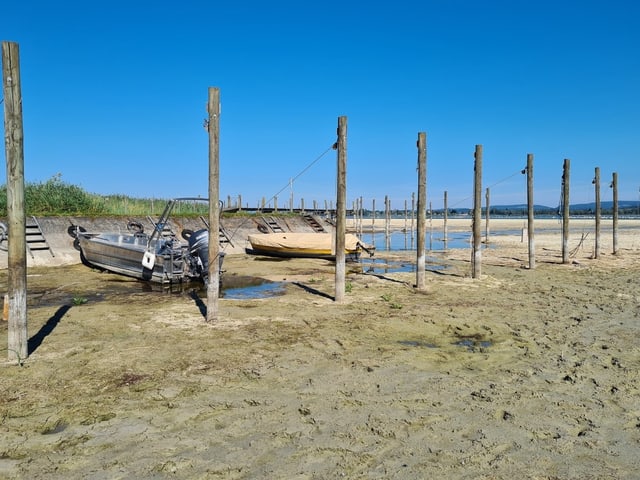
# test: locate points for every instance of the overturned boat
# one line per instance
(305, 245)
(157, 257)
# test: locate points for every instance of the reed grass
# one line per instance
(55, 197)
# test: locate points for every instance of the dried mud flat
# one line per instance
(520, 374)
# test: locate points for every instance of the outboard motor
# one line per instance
(199, 248)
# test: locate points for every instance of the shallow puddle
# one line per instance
(473, 344)
(381, 266)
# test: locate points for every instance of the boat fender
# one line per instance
(148, 260)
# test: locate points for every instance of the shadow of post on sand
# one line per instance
(35, 341)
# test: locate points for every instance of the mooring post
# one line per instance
(614, 185)
(18, 344)
(413, 216)
(530, 212)
(361, 210)
(476, 255)
(444, 220)
(341, 210)
(565, 211)
(373, 218)
(596, 183)
(422, 210)
(213, 281)
(486, 216)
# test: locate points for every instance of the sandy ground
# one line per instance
(523, 373)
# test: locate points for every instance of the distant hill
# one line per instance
(625, 207)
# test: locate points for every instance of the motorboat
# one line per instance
(159, 256)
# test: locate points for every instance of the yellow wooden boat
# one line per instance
(305, 245)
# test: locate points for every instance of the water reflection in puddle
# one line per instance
(382, 265)
(472, 344)
(240, 287)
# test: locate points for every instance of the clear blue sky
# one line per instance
(114, 95)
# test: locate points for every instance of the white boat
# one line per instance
(157, 257)
(301, 245)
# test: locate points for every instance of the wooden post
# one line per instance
(413, 216)
(291, 197)
(476, 255)
(596, 182)
(430, 227)
(406, 216)
(565, 211)
(486, 218)
(213, 281)
(341, 210)
(387, 222)
(239, 202)
(422, 210)
(18, 344)
(302, 206)
(530, 212)
(444, 220)
(361, 210)
(614, 185)
(373, 218)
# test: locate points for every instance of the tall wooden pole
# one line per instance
(565, 211)
(596, 182)
(422, 210)
(487, 197)
(213, 284)
(18, 347)
(413, 215)
(445, 217)
(341, 210)
(373, 219)
(530, 213)
(476, 268)
(614, 185)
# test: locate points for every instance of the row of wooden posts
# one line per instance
(17, 339)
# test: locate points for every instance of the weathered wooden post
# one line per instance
(213, 283)
(239, 202)
(291, 195)
(476, 255)
(413, 216)
(486, 218)
(430, 226)
(422, 210)
(444, 220)
(387, 222)
(596, 183)
(373, 218)
(614, 185)
(18, 344)
(530, 212)
(565, 211)
(341, 210)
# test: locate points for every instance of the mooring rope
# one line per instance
(304, 170)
